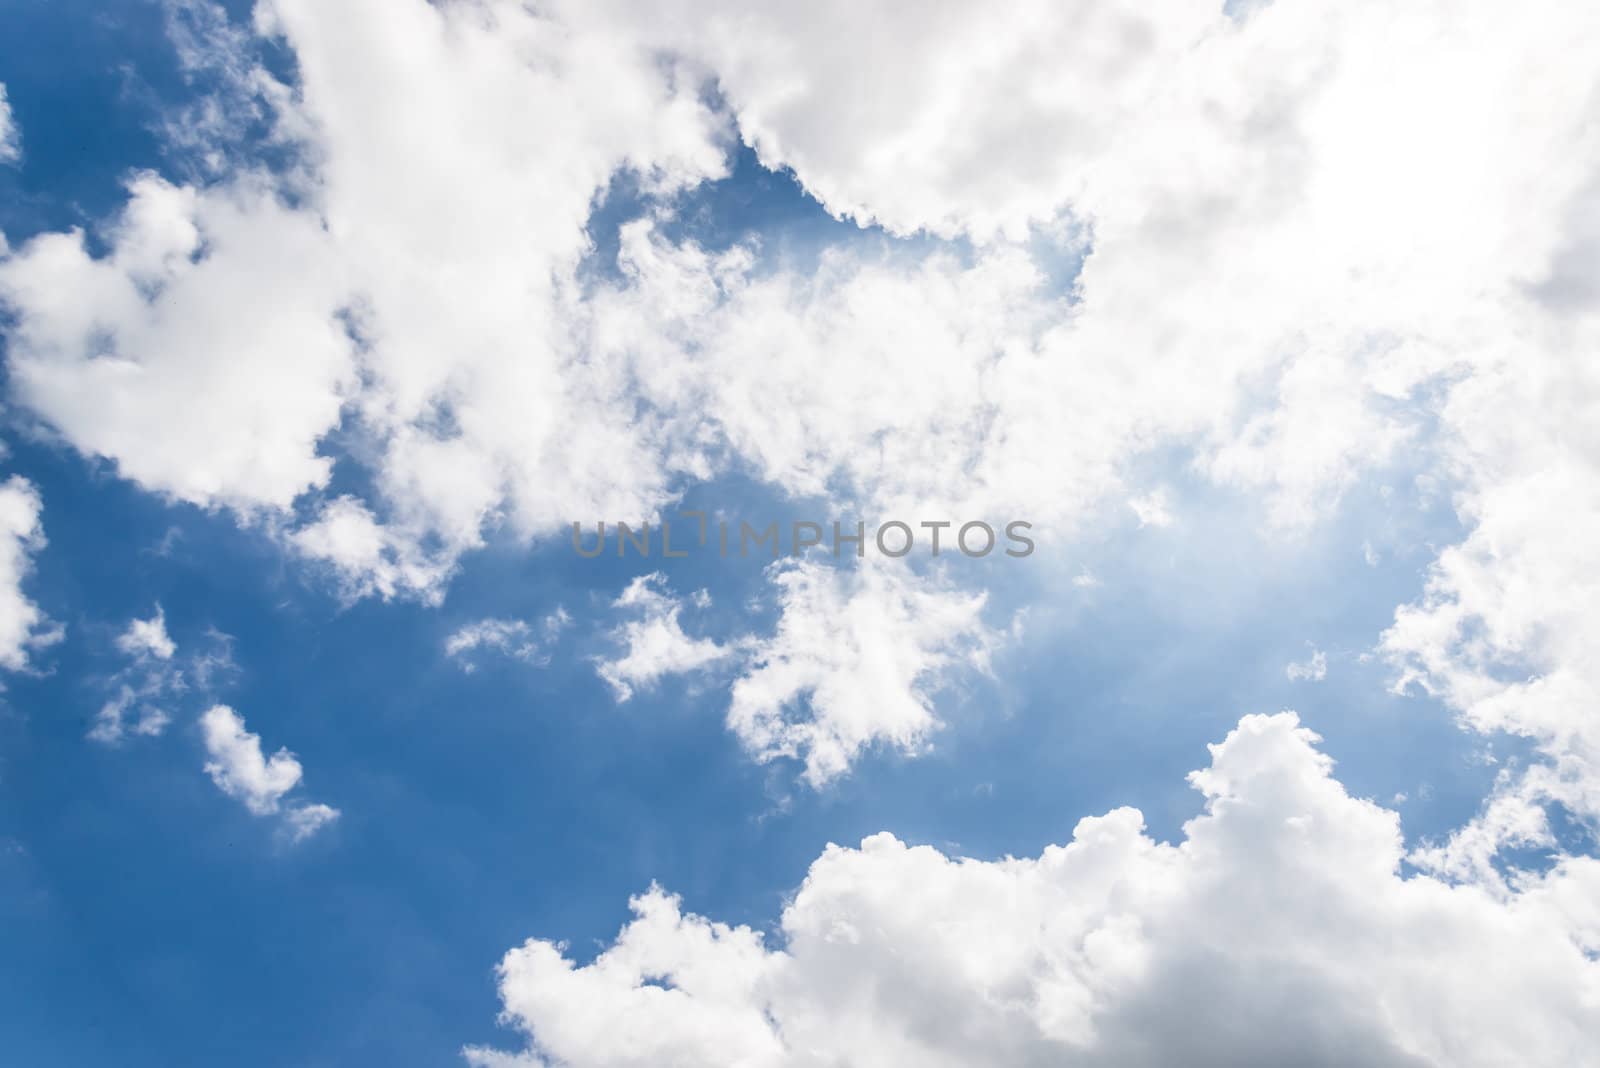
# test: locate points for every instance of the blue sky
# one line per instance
(150, 919)
(482, 809)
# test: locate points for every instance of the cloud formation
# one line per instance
(505, 388)
(142, 690)
(10, 136)
(652, 644)
(242, 771)
(1305, 241)
(515, 638)
(1314, 668)
(23, 625)
(854, 662)
(1278, 930)
(1302, 243)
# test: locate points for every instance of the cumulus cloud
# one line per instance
(1506, 629)
(1280, 929)
(121, 353)
(1290, 309)
(515, 638)
(23, 626)
(1305, 241)
(494, 385)
(242, 771)
(930, 118)
(895, 380)
(653, 644)
(375, 290)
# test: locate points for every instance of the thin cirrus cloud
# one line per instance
(10, 137)
(514, 638)
(143, 689)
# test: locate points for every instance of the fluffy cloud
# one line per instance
(1314, 238)
(653, 644)
(371, 288)
(240, 770)
(854, 662)
(935, 116)
(493, 384)
(368, 558)
(1189, 323)
(1279, 930)
(1507, 627)
(148, 637)
(203, 355)
(23, 626)
(1277, 275)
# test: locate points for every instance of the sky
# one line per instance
(323, 323)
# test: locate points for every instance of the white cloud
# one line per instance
(1151, 509)
(854, 661)
(653, 644)
(1187, 325)
(112, 723)
(368, 558)
(10, 137)
(1279, 930)
(240, 769)
(488, 386)
(387, 297)
(148, 637)
(143, 690)
(23, 626)
(1324, 237)
(1313, 668)
(515, 638)
(121, 354)
(1286, 307)
(1316, 239)
(305, 820)
(1507, 628)
(938, 117)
